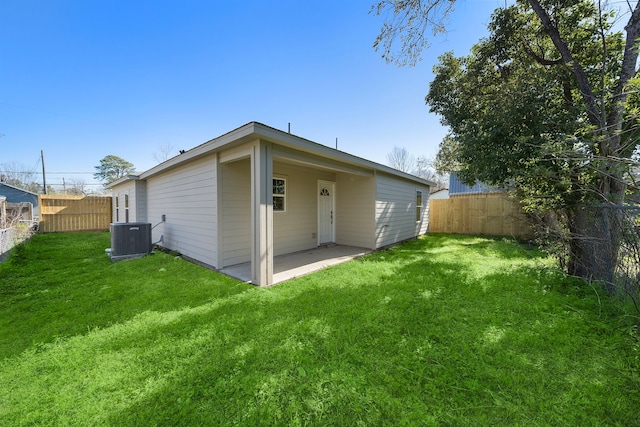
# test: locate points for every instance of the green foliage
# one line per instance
(514, 110)
(541, 107)
(439, 331)
(112, 168)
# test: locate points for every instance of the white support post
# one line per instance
(219, 213)
(262, 214)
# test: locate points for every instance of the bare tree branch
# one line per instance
(401, 159)
(164, 154)
(406, 22)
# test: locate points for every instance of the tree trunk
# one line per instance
(595, 243)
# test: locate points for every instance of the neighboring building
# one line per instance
(258, 192)
(18, 195)
(443, 193)
(457, 187)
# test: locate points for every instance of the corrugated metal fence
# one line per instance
(74, 213)
(492, 214)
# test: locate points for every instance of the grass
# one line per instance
(443, 330)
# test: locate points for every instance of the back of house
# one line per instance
(258, 192)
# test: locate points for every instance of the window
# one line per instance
(279, 194)
(418, 205)
(117, 210)
(126, 208)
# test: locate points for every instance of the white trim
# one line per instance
(234, 154)
(283, 195)
(219, 212)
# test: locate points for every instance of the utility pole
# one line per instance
(44, 177)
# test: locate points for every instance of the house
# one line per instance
(258, 192)
(18, 195)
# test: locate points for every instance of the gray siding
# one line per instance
(187, 196)
(295, 229)
(119, 195)
(235, 242)
(396, 210)
(355, 201)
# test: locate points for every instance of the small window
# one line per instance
(418, 205)
(279, 194)
(117, 210)
(126, 208)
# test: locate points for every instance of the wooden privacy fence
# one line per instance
(74, 213)
(492, 214)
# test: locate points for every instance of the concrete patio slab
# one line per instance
(286, 267)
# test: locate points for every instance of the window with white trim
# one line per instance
(418, 205)
(279, 194)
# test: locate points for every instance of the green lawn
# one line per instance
(443, 330)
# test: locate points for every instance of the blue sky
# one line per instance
(81, 79)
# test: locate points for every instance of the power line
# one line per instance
(49, 173)
(35, 167)
(71, 184)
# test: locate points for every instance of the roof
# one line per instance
(18, 189)
(440, 190)
(253, 130)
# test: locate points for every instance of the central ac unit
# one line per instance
(130, 240)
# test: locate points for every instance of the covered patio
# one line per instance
(289, 266)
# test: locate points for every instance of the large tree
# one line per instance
(112, 168)
(543, 105)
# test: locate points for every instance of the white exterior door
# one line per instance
(326, 222)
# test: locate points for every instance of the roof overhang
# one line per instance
(257, 131)
(124, 179)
